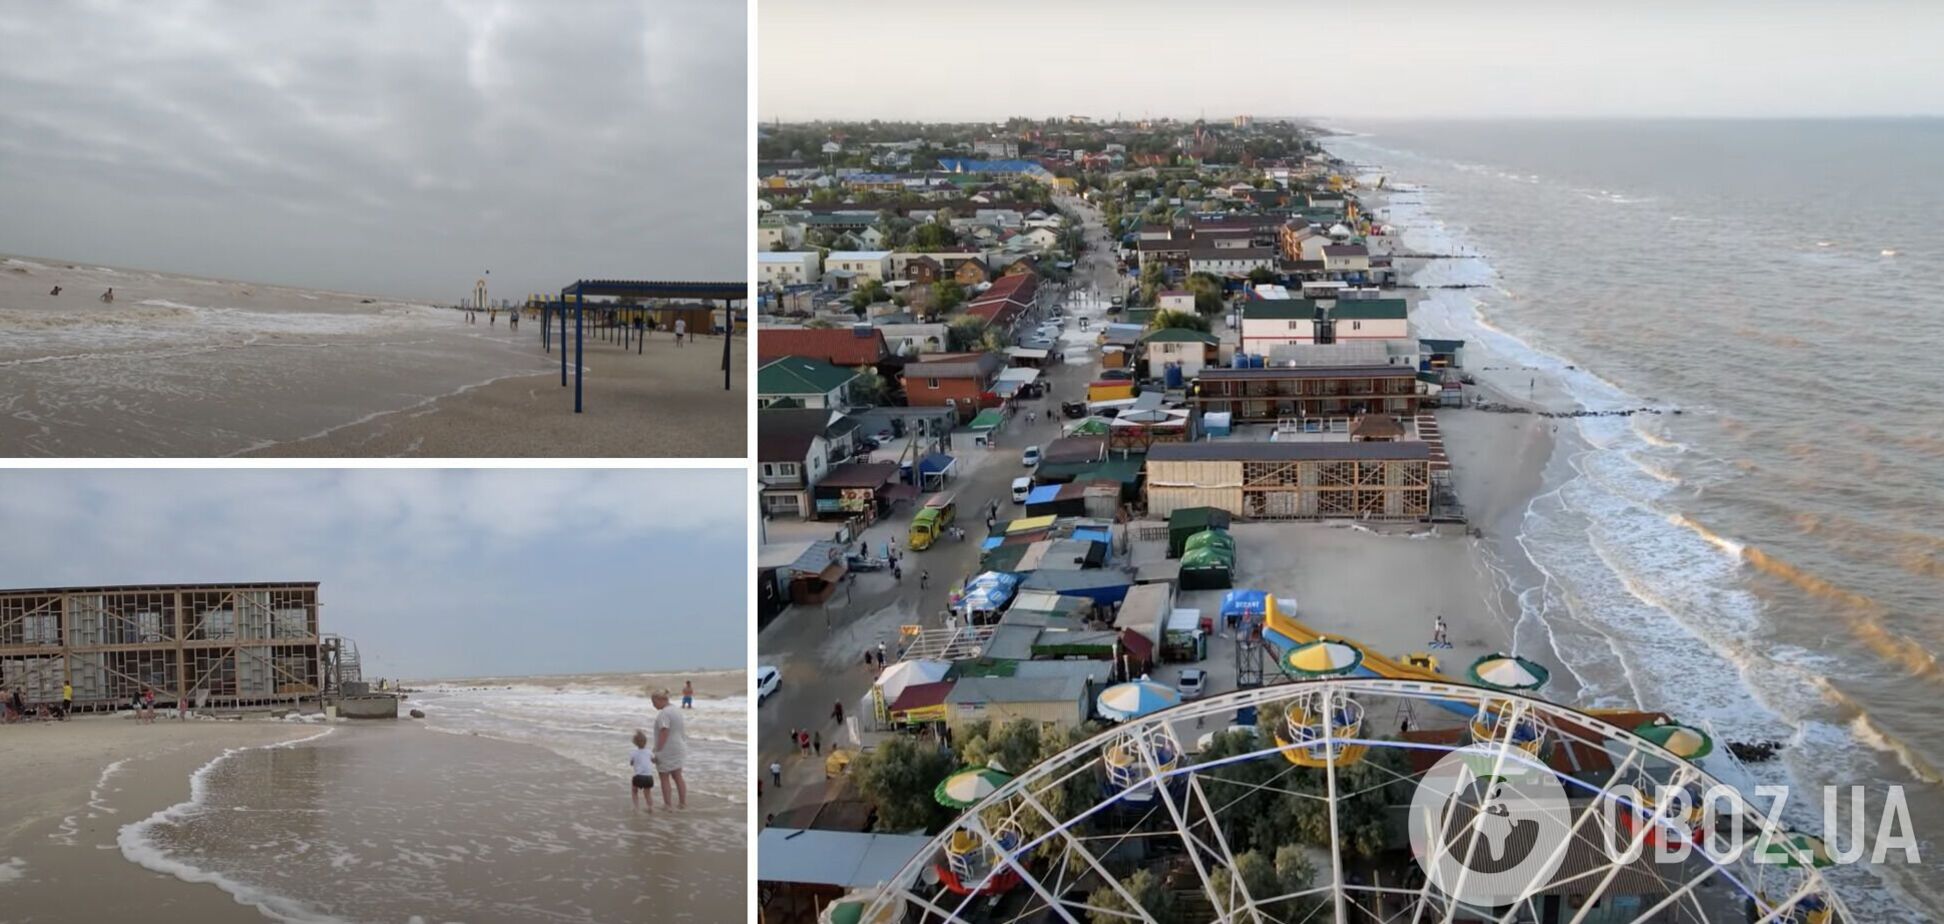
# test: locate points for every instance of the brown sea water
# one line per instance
(1770, 560)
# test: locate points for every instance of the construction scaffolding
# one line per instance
(1383, 481)
(215, 645)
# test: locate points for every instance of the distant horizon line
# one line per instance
(1876, 117)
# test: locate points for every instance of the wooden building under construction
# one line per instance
(216, 645)
(1295, 480)
(1266, 395)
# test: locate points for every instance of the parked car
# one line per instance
(1030, 457)
(1020, 488)
(1074, 409)
(1193, 683)
(1116, 375)
(767, 680)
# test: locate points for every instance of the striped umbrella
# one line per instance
(1686, 742)
(1134, 699)
(1508, 672)
(1321, 658)
(969, 787)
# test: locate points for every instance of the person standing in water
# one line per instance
(671, 750)
(688, 694)
(108, 297)
(56, 292)
(642, 787)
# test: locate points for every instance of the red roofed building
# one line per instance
(849, 347)
(1008, 300)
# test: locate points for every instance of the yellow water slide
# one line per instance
(1275, 620)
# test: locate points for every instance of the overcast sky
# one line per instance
(387, 146)
(434, 573)
(889, 59)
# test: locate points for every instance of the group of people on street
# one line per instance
(663, 759)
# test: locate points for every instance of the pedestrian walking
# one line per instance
(897, 572)
(776, 774)
(924, 578)
(837, 712)
(880, 652)
(816, 742)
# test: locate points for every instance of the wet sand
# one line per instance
(61, 818)
(667, 402)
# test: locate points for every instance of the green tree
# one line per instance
(933, 236)
(1016, 744)
(971, 334)
(899, 776)
(1153, 277)
(946, 296)
(1261, 275)
(1172, 318)
(868, 293)
(1257, 876)
(1106, 906)
(824, 196)
(1208, 293)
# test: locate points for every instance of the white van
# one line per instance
(1021, 487)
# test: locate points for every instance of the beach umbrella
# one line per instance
(1321, 658)
(1686, 742)
(1775, 849)
(1508, 672)
(1134, 699)
(969, 787)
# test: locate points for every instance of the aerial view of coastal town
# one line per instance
(373, 230)
(1179, 507)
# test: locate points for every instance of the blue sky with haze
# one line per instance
(1401, 58)
(435, 573)
(396, 148)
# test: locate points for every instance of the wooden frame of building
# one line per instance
(236, 644)
(1300, 480)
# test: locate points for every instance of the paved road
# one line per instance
(820, 651)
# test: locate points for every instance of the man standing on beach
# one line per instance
(67, 698)
(681, 330)
(671, 749)
(688, 694)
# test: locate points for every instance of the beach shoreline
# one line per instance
(71, 788)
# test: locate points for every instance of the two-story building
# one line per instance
(779, 269)
(1269, 323)
(851, 267)
(792, 455)
(962, 381)
(1353, 319)
(1006, 302)
(1224, 259)
(1346, 259)
(1184, 350)
(1266, 395)
(799, 381)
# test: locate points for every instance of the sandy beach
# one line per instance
(184, 366)
(666, 403)
(63, 810)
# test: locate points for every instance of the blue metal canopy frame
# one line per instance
(578, 291)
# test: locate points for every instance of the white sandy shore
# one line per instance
(61, 810)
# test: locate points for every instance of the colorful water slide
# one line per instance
(1284, 632)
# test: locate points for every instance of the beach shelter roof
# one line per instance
(1508, 672)
(1321, 658)
(1134, 699)
(905, 673)
(969, 787)
(1684, 741)
(988, 419)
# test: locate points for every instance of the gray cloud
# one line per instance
(434, 572)
(378, 146)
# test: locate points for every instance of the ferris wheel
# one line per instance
(1339, 797)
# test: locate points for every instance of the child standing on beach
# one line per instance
(642, 787)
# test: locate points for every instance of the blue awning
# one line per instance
(936, 462)
(1044, 494)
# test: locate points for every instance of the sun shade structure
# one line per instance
(1685, 742)
(1124, 701)
(969, 787)
(1508, 672)
(573, 298)
(1321, 658)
